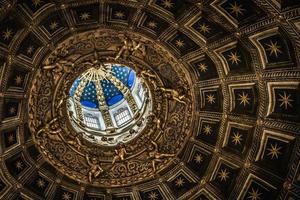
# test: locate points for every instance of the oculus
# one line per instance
(109, 104)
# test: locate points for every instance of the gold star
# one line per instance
(53, 25)
(18, 80)
(210, 98)
(236, 9)
(11, 138)
(274, 151)
(19, 165)
(179, 182)
(223, 175)
(40, 183)
(236, 138)
(198, 158)
(167, 4)
(152, 24)
(179, 43)
(204, 28)
(12, 110)
(244, 99)
(66, 196)
(207, 129)
(36, 3)
(202, 67)
(120, 14)
(153, 196)
(85, 16)
(285, 100)
(254, 194)
(234, 58)
(7, 34)
(273, 48)
(29, 50)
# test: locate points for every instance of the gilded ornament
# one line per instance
(64, 147)
(121, 152)
(95, 168)
(50, 130)
(156, 156)
(174, 95)
(131, 47)
(147, 74)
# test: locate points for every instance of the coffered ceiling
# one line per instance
(241, 62)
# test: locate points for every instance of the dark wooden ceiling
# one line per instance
(243, 57)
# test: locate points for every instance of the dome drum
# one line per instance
(110, 105)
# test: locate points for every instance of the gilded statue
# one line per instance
(156, 120)
(60, 63)
(62, 100)
(131, 47)
(150, 76)
(59, 66)
(95, 168)
(147, 73)
(50, 130)
(62, 51)
(174, 95)
(156, 156)
(76, 143)
(120, 153)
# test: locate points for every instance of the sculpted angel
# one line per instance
(76, 142)
(130, 47)
(95, 168)
(120, 153)
(147, 74)
(59, 66)
(156, 120)
(174, 95)
(156, 156)
(50, 130)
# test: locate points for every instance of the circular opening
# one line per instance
(109, 104)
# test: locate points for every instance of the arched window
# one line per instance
(122, 116)
(91, 121)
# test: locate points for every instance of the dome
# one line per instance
(111, 93)
(108, 98)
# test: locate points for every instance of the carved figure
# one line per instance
(140, 52)
(95, 169)
(120, 154)
(62, 100)
(59, 66)
(156, 120)
(150, 76)
(129, 47)
(76, 143)
(148, 73)
(62, 51)
(50, 130)
(174, 95)
(156, 156)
